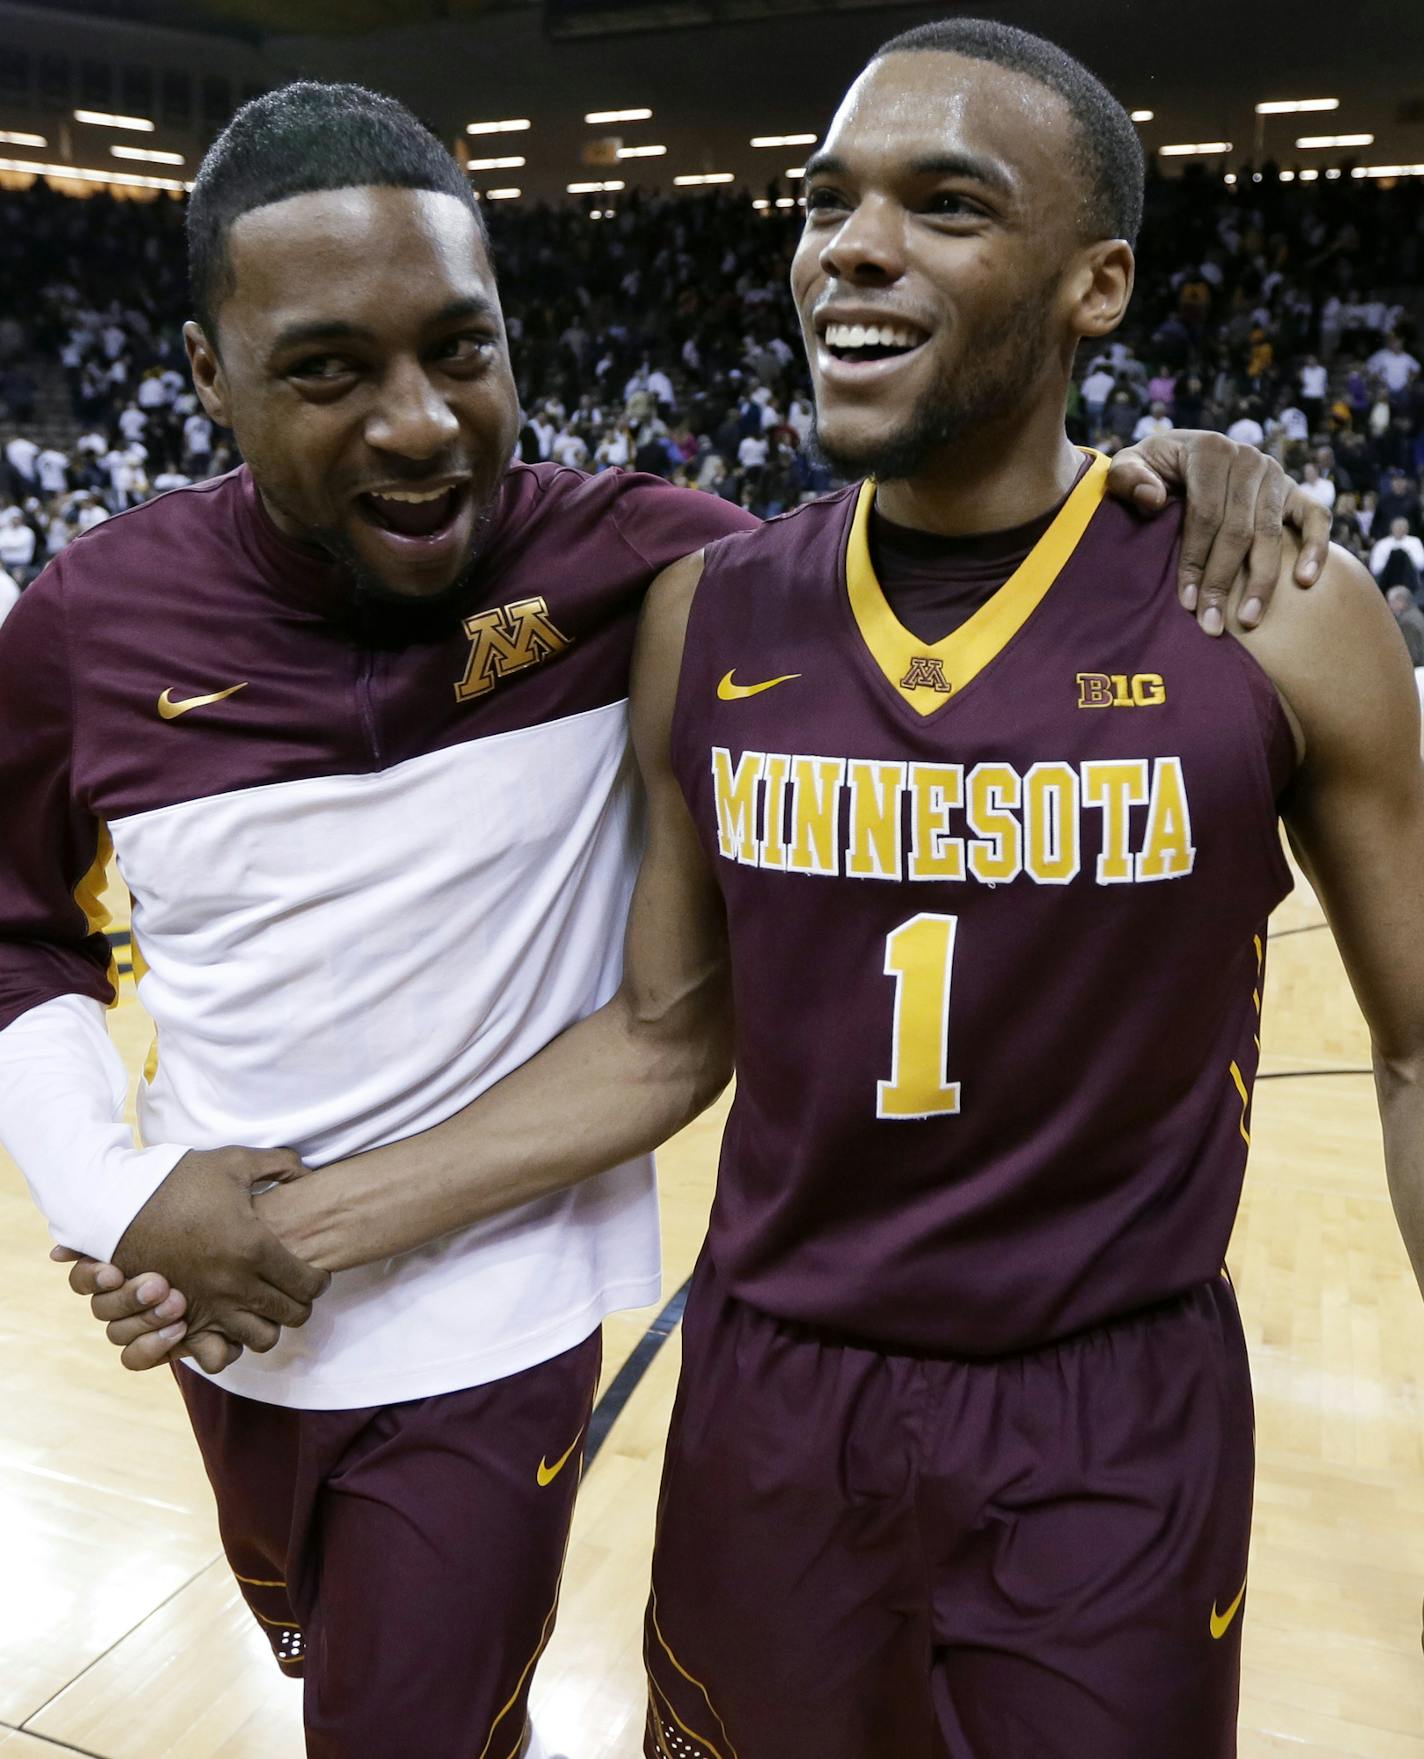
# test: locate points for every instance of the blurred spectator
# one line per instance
(52, 471)
(9, 595)
(1398, 558)
(1394, 365)
(1098, 386)
(1410, 621)
(17, 546)
(1156, 421)
(1314, 382)
(20, 455)
(1246, 428)
(1400, 500)
(1318, 487)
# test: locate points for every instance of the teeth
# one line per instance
(872, 336)
(407, 495)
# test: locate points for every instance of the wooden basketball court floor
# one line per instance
(122, 1636)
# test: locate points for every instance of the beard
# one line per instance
(1002, 363)
(386, 618)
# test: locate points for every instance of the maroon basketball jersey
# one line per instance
(997, 909)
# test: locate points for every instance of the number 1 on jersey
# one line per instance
(919, 955)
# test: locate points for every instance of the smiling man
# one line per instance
(380, 847)
(358, 739)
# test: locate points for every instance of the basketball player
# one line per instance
(280, 249)
(380, 849)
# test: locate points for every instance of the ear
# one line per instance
(1099, 286)
(209, 379)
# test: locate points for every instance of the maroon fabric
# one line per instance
(197, 591)
(1095, 1164)
(405, 1560)
(862, 1556)
(934, 583)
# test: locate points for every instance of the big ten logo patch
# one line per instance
(505, 641)
(1121, 690)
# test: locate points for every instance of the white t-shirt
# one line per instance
(1098, 387)
(9, 595)
(1395, 369)
(198, 435)
(1322, 490)
(17, 544)
(1382, 551)
(20, 454)
(1150, 425)
(1314, 380)
(132, 422)
(52, 468)
(1246, 432)
(751, 454)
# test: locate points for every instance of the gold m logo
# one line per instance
(506, 641)
(927, 674)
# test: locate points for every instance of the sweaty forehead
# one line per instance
(923, 104)
(335, 248)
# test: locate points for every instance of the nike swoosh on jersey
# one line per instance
(171, 710)
(1221, 1621)
(730, 692)
(547, 1473)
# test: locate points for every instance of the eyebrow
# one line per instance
(968, 165)
(337, 330)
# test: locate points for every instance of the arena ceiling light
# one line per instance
(1143, 115)
(502, 195)
(150, 155)
(1311, 141)
(785, 140)
(595, 188)
(1189, 150)
(619, 116)
(106, 119)
(641, 152)
(513, 125)
(1386, 171)
(1295, 106)
(1309, 176)
(18, 138)
(511, 163)
(704, 177)
(797, 171)
(79, 174)
(1287, 176)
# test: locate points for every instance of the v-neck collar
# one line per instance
(919, 671)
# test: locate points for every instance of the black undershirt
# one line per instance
(934, 584)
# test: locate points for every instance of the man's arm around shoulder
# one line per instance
(614, 1085)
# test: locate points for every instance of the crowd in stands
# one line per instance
(660, 335)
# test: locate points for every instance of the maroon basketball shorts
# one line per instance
(405, 1560)
(864, 1556)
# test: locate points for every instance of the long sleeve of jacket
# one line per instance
(62, 1084)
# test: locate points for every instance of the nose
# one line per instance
(868, 247)
(411, 418)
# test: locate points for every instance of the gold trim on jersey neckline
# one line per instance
(966, 651)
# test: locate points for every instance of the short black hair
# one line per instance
(1109, 150)
(303, 137)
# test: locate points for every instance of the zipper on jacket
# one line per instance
(365, 671)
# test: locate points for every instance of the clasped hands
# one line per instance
(205, 1268)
